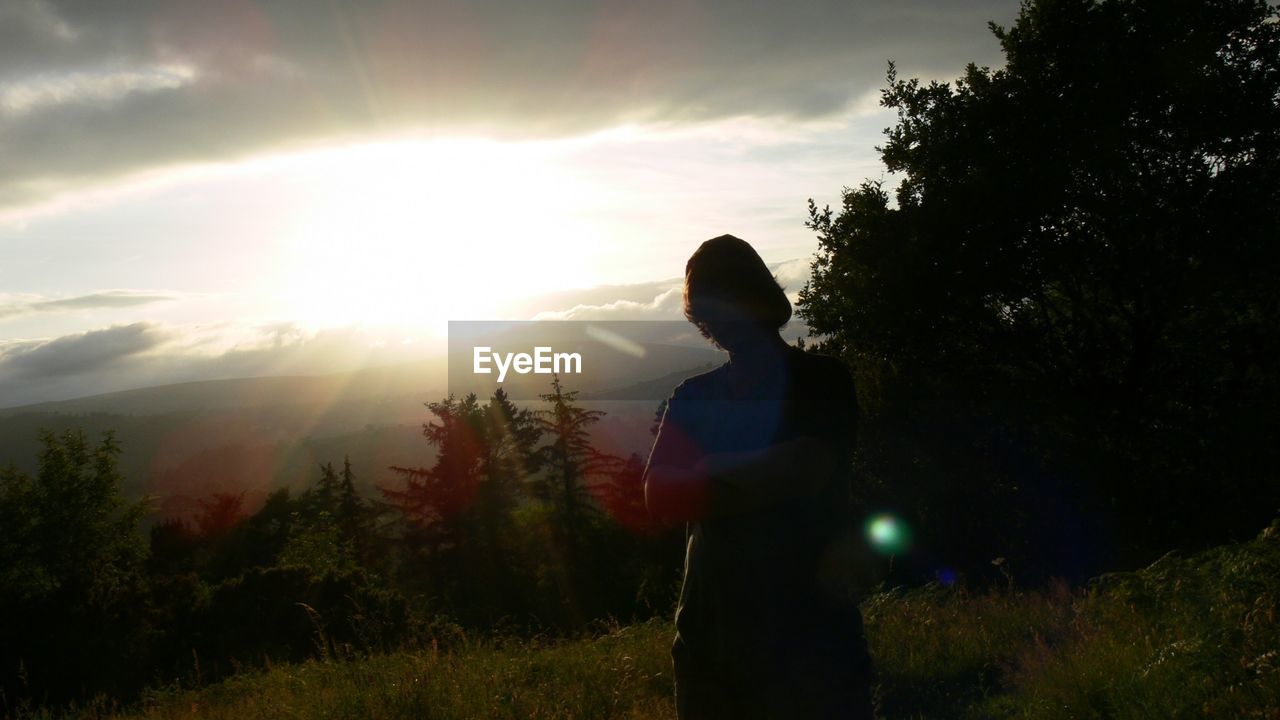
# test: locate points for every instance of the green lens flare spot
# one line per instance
(887, 534)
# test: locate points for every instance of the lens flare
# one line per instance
(887, 534)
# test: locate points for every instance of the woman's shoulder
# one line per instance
(699, 385)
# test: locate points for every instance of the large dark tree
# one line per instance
(1064, 319)
(437, 499)
(71, 567)
(459, 512)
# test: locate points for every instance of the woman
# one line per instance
(755, 456)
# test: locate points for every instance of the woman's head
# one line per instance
(730, 295)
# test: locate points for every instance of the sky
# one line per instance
(194, 190)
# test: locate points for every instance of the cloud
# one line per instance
(792, 275)
(105, 85)
(93, 90)
(655, 301)
(124, 357)
(665, 306)
(103, 299)
(95, 350)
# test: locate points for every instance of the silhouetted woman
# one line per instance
(755, 456)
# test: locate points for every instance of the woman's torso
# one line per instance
(764, 587)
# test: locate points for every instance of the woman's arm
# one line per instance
(745, 481)
(674, 490)
(728, 483)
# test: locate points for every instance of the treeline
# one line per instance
(521, 526)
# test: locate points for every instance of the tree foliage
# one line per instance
(1063, 318)
(71, 565)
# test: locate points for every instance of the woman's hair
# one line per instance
(725, 280)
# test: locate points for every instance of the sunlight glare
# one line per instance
(415, 233)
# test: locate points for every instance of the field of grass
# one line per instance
(1184, 638)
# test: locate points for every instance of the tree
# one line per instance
(324, 496)
(622, 496)
(569, 462)
(70, 531)
(511, 435)
(71, 570)
(1065, 314)
(568, 465)
(436, 499)
(350, 508)
(459, 525)
(318, 544)
(219, 513)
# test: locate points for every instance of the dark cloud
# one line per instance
(146, 355)
(94, 88)
(92, 351)
(92, 301)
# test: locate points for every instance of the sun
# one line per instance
(418, 232)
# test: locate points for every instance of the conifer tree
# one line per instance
(569, 462)
(350, 509)
(458, 513)
(570, 467)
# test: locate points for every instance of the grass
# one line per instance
(1184, 638)
(622, 673)
(1193, 637)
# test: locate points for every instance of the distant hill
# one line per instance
(185, 441)
(410, 380)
